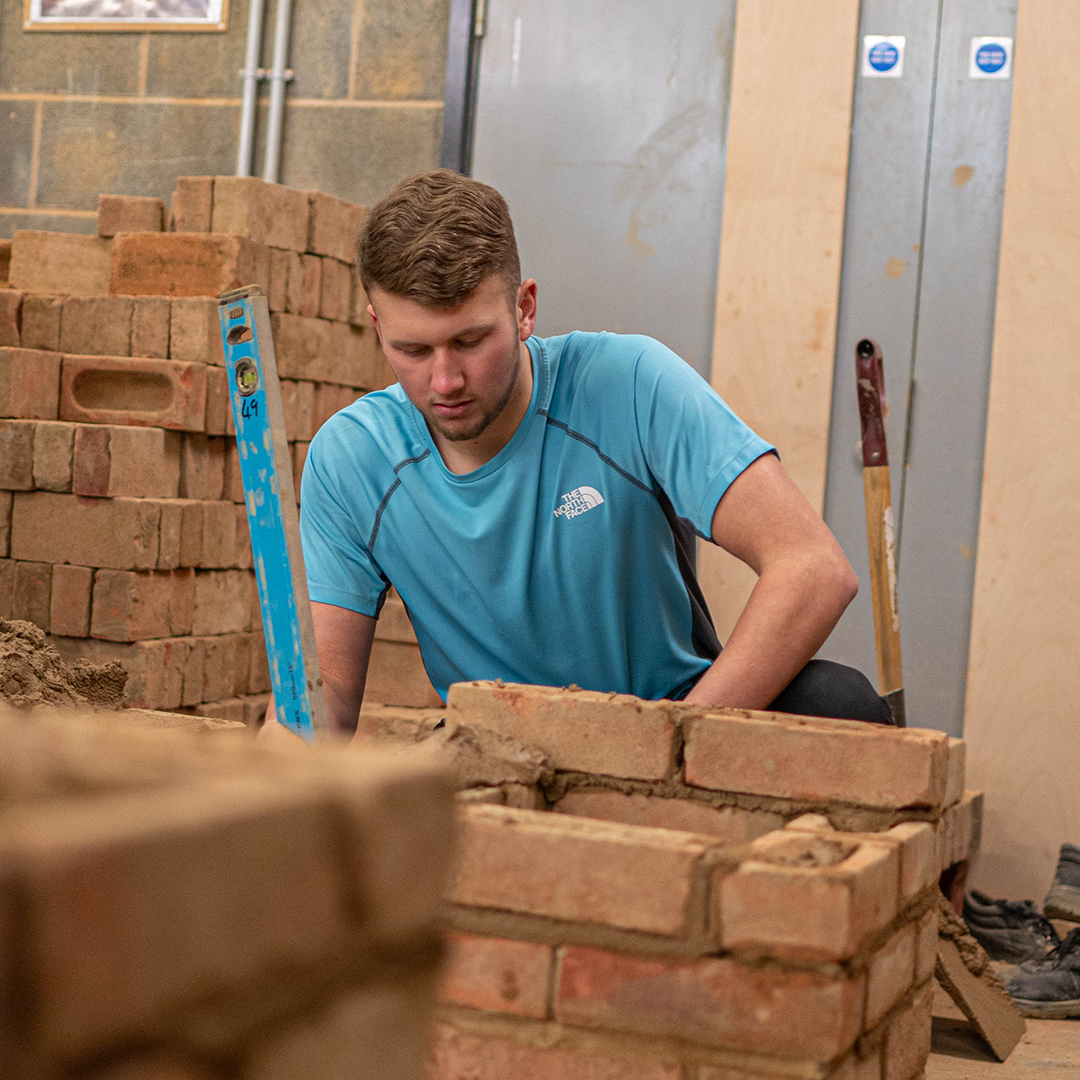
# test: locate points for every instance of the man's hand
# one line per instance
(804, 584)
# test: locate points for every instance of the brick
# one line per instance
(324, 351)
(219, 414)
(892, 969)
(259, 672)
(29, 384)
(817, 760)
(330, 399)
(32, 594)
(255, 706)
(294, 283)
(954, 789)
(181, 264)
(97, 325)
(194, 331)
(231, 710)
(267, 213)
(336, 291)
(907, 1042)
(394, 624)
(7, 588)
(129, 214)
(170, 534)
(497, 975)
(853, 1068)
(926, 944)
(335, 226)
(194, 668)
(919, 858)
(155, 667)
(128, 391)
(615, 734)
(731, 823)
(133, 461)
(298, 405)
(310, 284)
(194, 466)
(277, 293)
(576, 869)
(41, 322)
(221, 602)
(456, 1055)
(241, 664)
(218, 664)
(396, 676)
(5, 260)
(299, 458)
(232, 481)
(192, 203)
(67, 263)
(135, 605)
(121, 534)
(99, 967)
(17, 455)
(10, 317)
(807, 897)
(69, 606)
(960, 829)
(215, 467)
(244, 557)
(219, 535)
(5, 523)
(150, 327)
(720, 1002)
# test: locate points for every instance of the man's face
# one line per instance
(461, 367)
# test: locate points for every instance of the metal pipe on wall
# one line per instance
(251, 76)
(279, 76)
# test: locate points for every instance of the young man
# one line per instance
(534, 501)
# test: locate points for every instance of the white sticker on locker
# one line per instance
(883, 56)
(991, 58)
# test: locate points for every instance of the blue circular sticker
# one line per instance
(883, 56)
(991, 58)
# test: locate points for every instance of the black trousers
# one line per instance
(825, 688)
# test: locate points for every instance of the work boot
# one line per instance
(1050, 987)
(1063, 899)
(1010, 930)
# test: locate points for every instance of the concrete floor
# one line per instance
(1050, 1049)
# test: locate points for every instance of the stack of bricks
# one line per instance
(123, 532)
(201, 907)
(718, 895)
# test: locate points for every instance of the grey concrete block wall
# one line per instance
(83, 113)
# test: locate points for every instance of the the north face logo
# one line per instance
(578, 501)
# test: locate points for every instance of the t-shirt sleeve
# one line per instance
(340, 568)
(695, 446)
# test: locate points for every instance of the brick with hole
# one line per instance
(266, 213)
(129, 213)
(11, 303)
(182, 264)
(150, 327)
(69, 608)
(119, 460)
(67, 264)
(41, 322)
(129, 391)
(29, 384)
(135, 605)
(192, 204)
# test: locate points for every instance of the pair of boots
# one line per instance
(1046, 979)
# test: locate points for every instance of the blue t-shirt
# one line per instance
(556, 562)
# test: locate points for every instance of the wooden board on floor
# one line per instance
(1021, 727)
(779, 280)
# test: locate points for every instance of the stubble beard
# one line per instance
(485, 421)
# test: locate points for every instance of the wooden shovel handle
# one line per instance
(870, 381)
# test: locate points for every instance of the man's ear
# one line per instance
(526, 308)
(375, 320)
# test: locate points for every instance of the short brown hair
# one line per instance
(435, 237)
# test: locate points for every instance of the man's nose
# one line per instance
(446, 374)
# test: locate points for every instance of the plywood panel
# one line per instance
(1023, 718)
(782, 231)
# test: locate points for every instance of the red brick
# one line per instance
(181, 264)
(277, 294)
(41, 322)
(330, 399)
(129, 213)
(299, 457)
(298, 405)
(731, 823)
(324, 351)
(29, 384)
(193, 671)
(7, 587)
(219, 535)
(128, 391)
(255, 706)
(5, 260)
(460, 1055)
(132, 606)
(818, 760)
(133, 461)
(715, 1002)
(919, 859)
(150, 327)
(335, 226)
(5, 523)
(10, 317)
(497, 975)
(219, 414)
(222, 604)
(155, 668)
(926, 944)
(573, 868)
(121, 534)
(954, 790)
(65, 263)
(615, 734)
(69, 611)
(336, 291)
(358, 302)
(396, 676)
(892, 969)
(244, 557)
(310, 284)
(219, 661)
(33, 588)
(215, 467)
(294, 283)
(907, 1043)
(241, 664)
(192, 203)
(779, 901)
(194, 466)
(97, 325)
(170, 534)
(232, 487)
(960, 829)
(259, 672)
(194, 331)
(267, 213)
(17, 455)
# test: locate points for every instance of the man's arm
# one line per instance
(804, 584)
(343, 641)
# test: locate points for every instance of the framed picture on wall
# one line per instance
(125, 14)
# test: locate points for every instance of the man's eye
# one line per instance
(470, 344)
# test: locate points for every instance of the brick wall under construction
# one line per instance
(123, 532)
